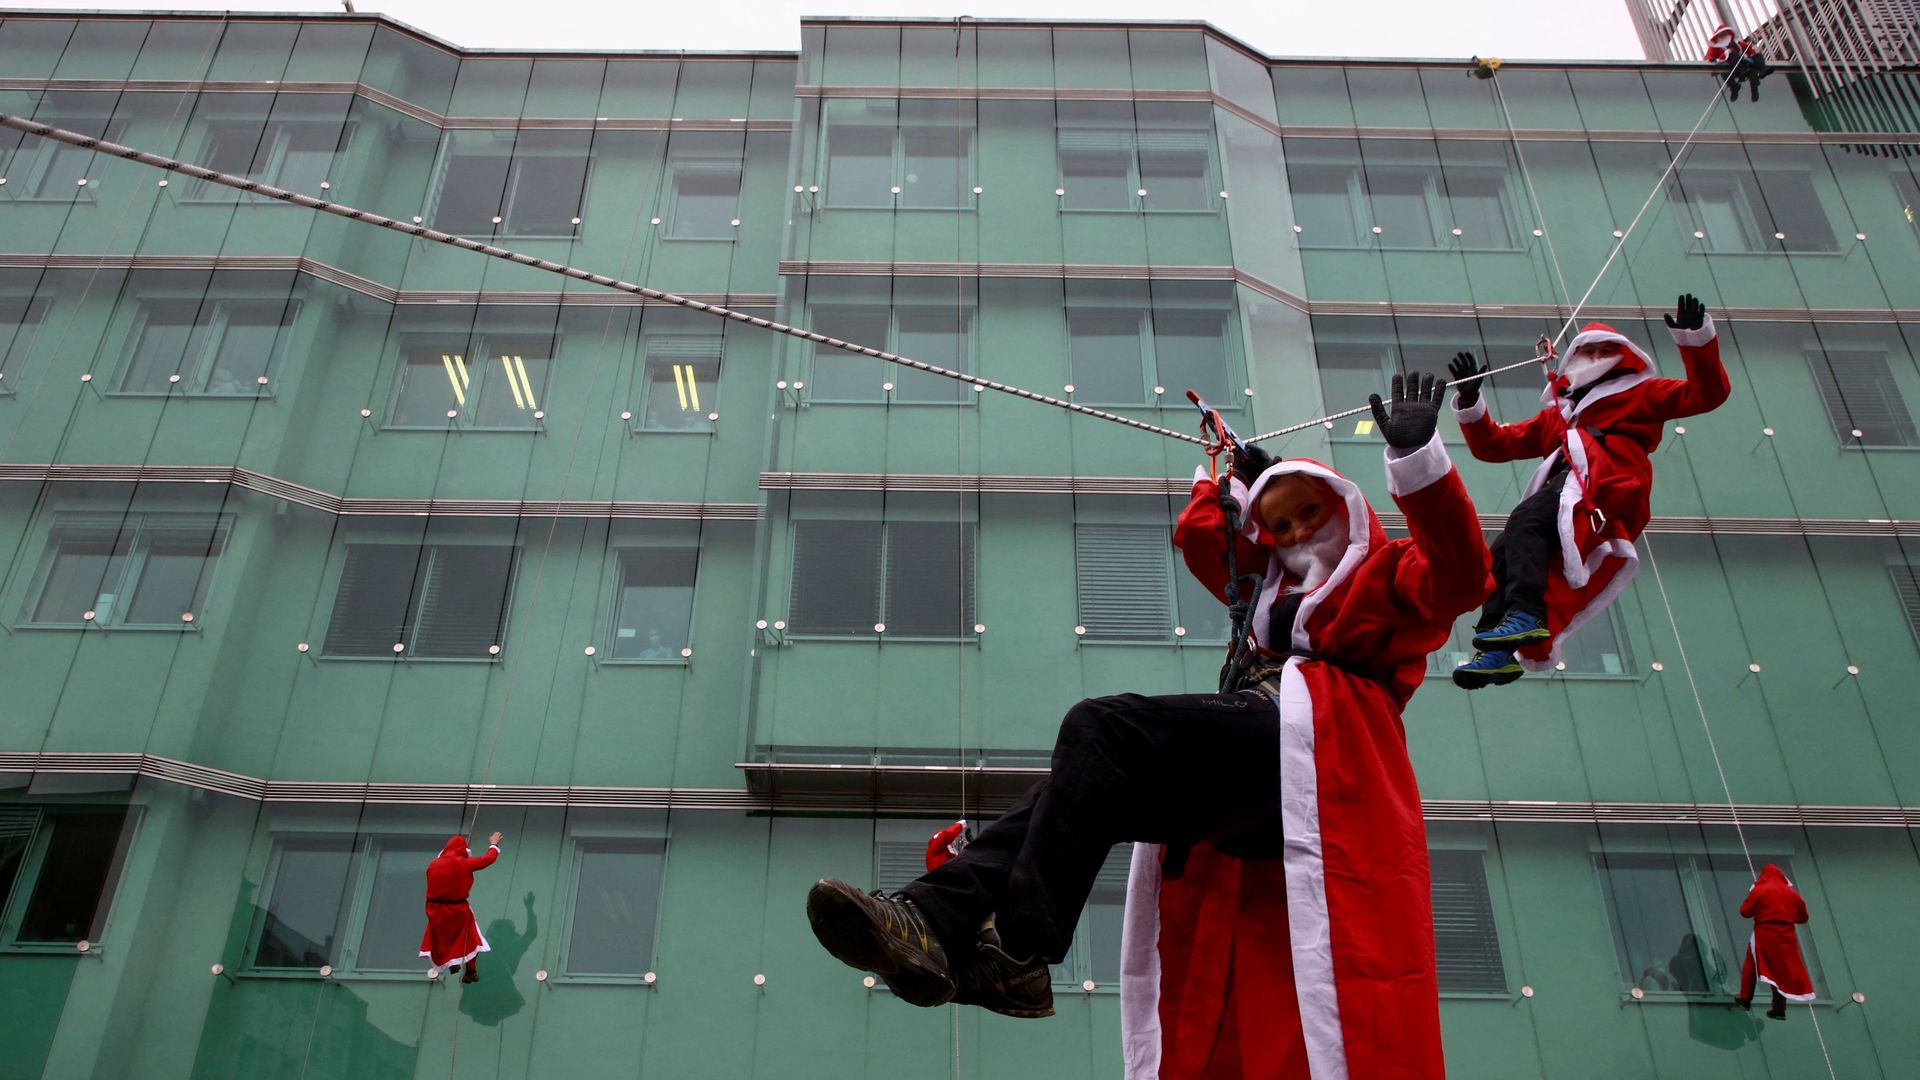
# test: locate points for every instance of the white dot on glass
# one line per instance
(1059, 191)
(219, 969)
(540, 976)
(760, 624)
(539, 414)
(654, 221)
(779, 624)
(1068, 388)
(797, 384)
(1539, 232)
(879, 628)
(895, 189)
(493, 650)
(399, 647)
(326, 971)
(798, 188)
(1858, 998)
(781, 385)
(713, 416)
(887, 386)
(1637, 993)
(590, 650)
(326, 185)
(813, 189)
(1618, 234)
(1526, 991)
(451, 413)
(496, 219)
(1377, 230)
(1779, 236)
(433, 973)
(979, 190)
(1767, 431)
(1857, 433)
(88, 377)
(759, 980)
(1248, 391)
(1159, 389)
(1698, 235)
(867, 982)
(576, 221)
(1179, 631)
(417, 219)
(261, 381)
(1680, 429)
(186, 616)
(1561, 666)
(686, 653)
(174, 378)
(87, 616)
(650, 978)
(1755, 668)
(1141, 192)
(1859, 236)
(1658, 666)
(1458, 231)
(303, 646)
(1080, 630)
(366, 412)
(736, 223)
(979, 628)
(163, 183)
(979, 389)
(82, 181)
(1087, 986)
(1223, 194)
(626, 414)
(1297, 228)
(1853, 669)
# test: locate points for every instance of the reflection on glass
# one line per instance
(216, 347)
(299, 923)
(1675, 918)
(293, 154)
(1112, 151)
(511, 383)
(145, 569)
(498, 387)
(679, 383)
(616, 903)
(653, 613)
(533, 185)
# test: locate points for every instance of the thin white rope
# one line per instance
(72, 138)
(1331, 417)
(1526, 176)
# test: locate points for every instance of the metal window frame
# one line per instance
(410, 627)
(579, 844)
(620, 551)
(481, 373)
(33, 864)
(137, 526)
(212, 319)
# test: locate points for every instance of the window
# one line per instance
(20, 320)
(219, 348)
(915, 577)
(922, 147)
(1739, 209)
(653, 613)
(705, 201)
(1858, 391)
(1111, 151)
(1415, 192)
(47, 169)
(932, 335)
(1676, 919)
(1464, 936)
(330, 898)
(136, 569)
(1121, 344)
(678, 386)
(293, 154)
(499, 386)
(1132, 586)
(1906, 589)
(443, 601)
(616, 906)
(59, 870)
(1598, 648)
(497, 184)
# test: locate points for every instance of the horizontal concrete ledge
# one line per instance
(343, 506)
(863, 788)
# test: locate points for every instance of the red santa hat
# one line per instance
(1723, 31)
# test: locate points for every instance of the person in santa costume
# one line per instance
(1567, 550)
(1773, 950)
(453, 937)
(1739, 59)
(1295, 939)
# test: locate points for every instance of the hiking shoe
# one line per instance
(1778, 1011)
(999, 983)
(886, 935)
(1487, 669)
(1517, 629)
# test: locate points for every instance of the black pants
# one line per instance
(1523, 553)
(1182, 769)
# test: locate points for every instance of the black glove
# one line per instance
(1464, 367)
(1688, 314)
(1250, 463)
(1416, 411)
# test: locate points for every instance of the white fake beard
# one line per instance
(1312, 560)
(1581, 370)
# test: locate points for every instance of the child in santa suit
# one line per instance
(1773, 951)
(1297, 940)
(1567, 550)
(1740, 58)
(453, 937)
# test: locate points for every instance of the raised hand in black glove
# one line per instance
(1464, 367)
(1688, 314)
(1416, 411)
(1250, 463)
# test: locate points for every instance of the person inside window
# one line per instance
(1279, 910)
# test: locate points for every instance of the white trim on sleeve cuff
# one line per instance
(1472, 412)
(1413, 470)
(1693, 338)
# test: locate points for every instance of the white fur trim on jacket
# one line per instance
(1140, 1035)
(1693, 339)
(1409, 471)
(1579, 571)
(1472, 412)
(1308, 925)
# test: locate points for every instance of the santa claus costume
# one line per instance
(1740, 58)
(1568, 550)
(453, 937)
(1318, 963)
(1773, 950)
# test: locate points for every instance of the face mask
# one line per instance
(1581, 370)
(1313, 560)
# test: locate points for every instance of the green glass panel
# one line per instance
(860, 56)
(30, 48)
(639, 88)
(942, 56)
(300, 923)
(1090, 57)
(1011, 57)
(490, 88)
(1612, 100)
(253, 51)
(180, 50)
(411, 69)
(1387, 97)
(1312, 95)
(565, 88)
(327, 52)
(713, 89)
(1455, 99)
(102, 49)
(1681, 99)
(1168, 59)
(1538, 98)
(1241, 79)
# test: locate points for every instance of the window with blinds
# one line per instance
(1906, 589)
(512, 183)
(1465, 939)
(1859, 393)
(16, 834)
(916, 577)
(1122, 582)
(134, 569)
(443, 601)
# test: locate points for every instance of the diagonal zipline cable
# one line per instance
(161, 161)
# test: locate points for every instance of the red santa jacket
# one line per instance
(1607, 439)
(1724, 45)
(1319, 963)
(452, 936)
(1773, 951)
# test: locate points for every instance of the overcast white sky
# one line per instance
(1560, 29)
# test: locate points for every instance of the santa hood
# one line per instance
(455, 846)
(1575, 372)
(1364, 535)
(1771, 874)
(1723, 36)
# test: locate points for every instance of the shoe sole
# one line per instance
(1511, 642)
(1020, 1014)
(1478, 680)
(840, 921)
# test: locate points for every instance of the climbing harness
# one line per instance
(1223, 444)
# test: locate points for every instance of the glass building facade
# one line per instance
(321, 543)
